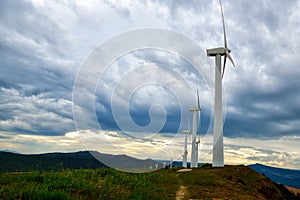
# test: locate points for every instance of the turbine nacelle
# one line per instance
(218, 51)
(194, 109)
(198, 104)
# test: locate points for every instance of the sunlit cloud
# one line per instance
(163, 147)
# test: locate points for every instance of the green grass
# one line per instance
(230, 182)
(88, 184)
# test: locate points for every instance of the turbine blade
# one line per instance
(199, 124)
(230, 58)
(225, 41)
(224, 64)
(198, 99)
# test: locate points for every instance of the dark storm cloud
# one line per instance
(39, 60)
(35, 73)
(263, 95)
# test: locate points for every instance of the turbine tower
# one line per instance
(218, 150)
(195, 111)
(197, 150)
(185, 151)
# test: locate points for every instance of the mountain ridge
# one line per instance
(288, 177)
(14, 162)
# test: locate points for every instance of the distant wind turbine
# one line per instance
(218, 149)
(195, 111)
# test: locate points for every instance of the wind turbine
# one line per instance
(194, 110)
(218, 149)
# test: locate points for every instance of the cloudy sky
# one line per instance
(139, 98)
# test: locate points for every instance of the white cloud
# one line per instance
(281, 152)
(35, 113)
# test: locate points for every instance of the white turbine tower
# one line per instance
(197, 150)
(195, 111)
(185, 151)
(218, 150)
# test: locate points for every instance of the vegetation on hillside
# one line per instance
(88, 184)
(12, 162)
(230, 182)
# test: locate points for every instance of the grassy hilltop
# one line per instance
(230, 182)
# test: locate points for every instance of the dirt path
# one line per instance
(184, 170)
(180, 194)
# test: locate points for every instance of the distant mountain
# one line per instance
(127, 163)
(284, 176)
(7, 150)
(12, 162)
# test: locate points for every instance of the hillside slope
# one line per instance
(230, 182)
